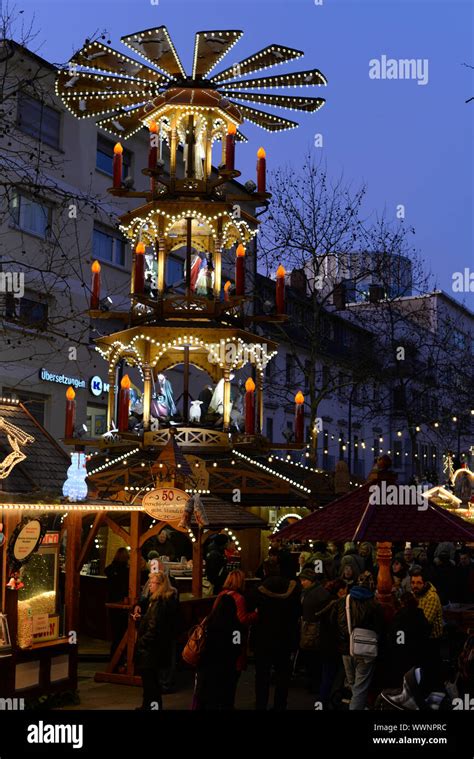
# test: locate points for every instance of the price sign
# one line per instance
(165, 504)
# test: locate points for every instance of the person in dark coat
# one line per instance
(276, 636)
(117, 590)
(314, 597)
(156, 634)
(217, 671)
(465, 579)
(444, 579)
(216, 562)
(407, 639)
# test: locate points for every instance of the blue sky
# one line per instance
(411, 144)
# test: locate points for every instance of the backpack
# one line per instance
(194, 648)
(363, 642)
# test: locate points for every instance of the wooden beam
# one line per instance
(133, 584)
(99, 518)
(74, 528)
(118, 530)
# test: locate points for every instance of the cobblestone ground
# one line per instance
(110, 696)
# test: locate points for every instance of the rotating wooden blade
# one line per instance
(85, 106)
(124, 125)
(269, 56)
(156, 47)
(85, 83)
(280, 101)
(210, 47)
(266, 120)
(95, 55)
(297, 79)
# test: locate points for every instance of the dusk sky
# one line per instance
(411, 143)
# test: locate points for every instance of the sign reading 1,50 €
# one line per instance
(166, 504)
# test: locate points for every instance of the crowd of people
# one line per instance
(320, 619)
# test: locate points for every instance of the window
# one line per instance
(174, 270)
(26, 311)
(105, 157)
(38, 120)
(96, 420)
(270, 370)
(108, 247)
(31, 215)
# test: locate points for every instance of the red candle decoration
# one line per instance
(124, 403)
(261, 170)
(299, 417)
(250, 406)
(280, 290)
(139, 271)
(230, 147)
(227, 287)
(240, 270)
(70, 413)
(118, 166)
(95, 290)
(153, 151)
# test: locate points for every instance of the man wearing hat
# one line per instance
(313, 599)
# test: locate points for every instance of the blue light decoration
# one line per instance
(75, 487)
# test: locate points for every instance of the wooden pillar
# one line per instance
(217, 257)
(189, 245)
(133, 583)
(208, 160)
(73, 550)
(259, 401)
(111, 398)
(186, 386)
(226, 399)
(223, 138)
(173, 146)
(197, 566)
(146, 390)
(160, 246)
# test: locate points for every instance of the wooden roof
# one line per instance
(43, 470)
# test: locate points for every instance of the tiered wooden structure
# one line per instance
(191, 206)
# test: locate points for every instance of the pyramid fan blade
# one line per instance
(124, 125)
(240, 137)
(269, 56)
(297, 79)
(156, 47)
(91, 105)
(85, 83)
(266, 120)
(210, 47)
(280, 101)
(95, 55)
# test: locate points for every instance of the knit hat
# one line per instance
(308, 574)
(153, 555)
